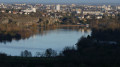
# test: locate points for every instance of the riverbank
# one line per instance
(83, 25)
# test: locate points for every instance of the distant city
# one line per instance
(80, 11)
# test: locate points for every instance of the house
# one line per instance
(10, 12)
(3, 11)
(14, 12)
(99, 17)
(26, 13)
(20, 12)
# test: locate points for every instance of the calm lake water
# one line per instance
(56, 39)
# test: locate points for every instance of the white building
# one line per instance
(58, 7)
(118, 7)
(78, 11)
(92, 12)
(34, 10)
(99, 17)
(30, 10)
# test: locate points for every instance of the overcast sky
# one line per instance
(63, 1)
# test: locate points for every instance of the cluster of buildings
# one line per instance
(88, 11)
(84, 11)
(26, 11)
(57, 10)
(17, 8)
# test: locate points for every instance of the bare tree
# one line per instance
(50, 53)
(26, 53)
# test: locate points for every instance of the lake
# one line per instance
(56, 39)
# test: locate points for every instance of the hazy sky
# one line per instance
(63, 1)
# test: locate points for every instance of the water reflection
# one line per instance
(43, 38)
(44, 31)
